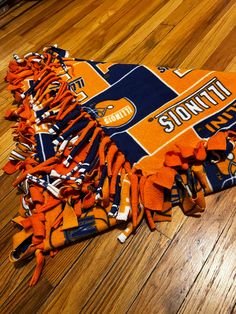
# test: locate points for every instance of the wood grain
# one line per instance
(16, 11)
(185, 258)
(215, 289)
(187, 265)
(111, 288)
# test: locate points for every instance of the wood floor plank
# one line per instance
(140, 52)
(214, 291)
(144, 30)
(26, 299)
(16, 11)
(109, 248)
(113, 33)
(161, 31)
(91, 23)
(4, 156)
(22, 7)
(231, 67)
(169, 229)
(171, 280)
(116, 292)
(6, 234)
(12, 278)
(27, 20)
(119, 266)
(211, 41)
(187, 33)
(51, 26)
(6, 187)
(9, 206)
(180, 12)
(223, 55)
(6, 140)
(9, 47)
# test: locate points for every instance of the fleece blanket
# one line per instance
(101, 143)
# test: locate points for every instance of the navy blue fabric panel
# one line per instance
(142, 88)
(45, 147)
(129, 147)
(205, 133)
(117, 71)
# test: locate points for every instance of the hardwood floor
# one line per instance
(186, 266)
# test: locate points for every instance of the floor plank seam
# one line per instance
(145, 282)
(154, 268)
(70, 269)
(218, 239)
(234, 307)
(172, 29)
(132, 32)
(162, 258)
(117, 45)
(24, 281)
(163, 234)
(8, 192)
(108, 270)
(157, 43)
(8, 148)
(41, 47)
(15, 17)
(111, 267)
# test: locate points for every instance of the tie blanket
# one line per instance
(101, 143)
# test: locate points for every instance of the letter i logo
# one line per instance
(115, 113)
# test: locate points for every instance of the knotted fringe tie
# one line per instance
(88, 168)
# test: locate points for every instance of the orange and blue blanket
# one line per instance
(101, 143)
